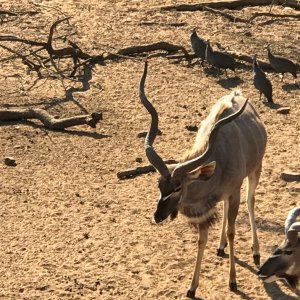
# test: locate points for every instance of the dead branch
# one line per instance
(131, 173)
(48, 120)
(265, 14)
(225, 15)
(73, 51)
(153, 23)
(231, 4)
(18, 13)
(165, 46)
(142, 50)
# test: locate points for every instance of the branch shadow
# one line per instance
(269, 226)
(87, 76)
(46, 102)
(49, 103)
(93, 135)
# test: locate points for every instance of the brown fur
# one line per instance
(206, 125)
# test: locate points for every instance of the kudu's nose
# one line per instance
(158, 219)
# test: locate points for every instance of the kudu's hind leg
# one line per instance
(223, 238)
(233, 207)
(253, 179)
(202, 240)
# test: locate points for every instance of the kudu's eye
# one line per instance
(277, 252)
(288, 252)
(177, 189)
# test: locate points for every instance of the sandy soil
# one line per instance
(70, 229)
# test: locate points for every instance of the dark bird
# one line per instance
(219, 60)
(261, 82)
(281, 65)
(198, 45)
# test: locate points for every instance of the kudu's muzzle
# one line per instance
(273, 268)
(166, 206)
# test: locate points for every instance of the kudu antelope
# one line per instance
(229, 146)
(284, 263)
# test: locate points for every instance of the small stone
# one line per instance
(42, 287)
(139, 160)
(10, 161)
(283, 110)
(191, 127)
(290, 176)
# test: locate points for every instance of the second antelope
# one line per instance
(229, 146)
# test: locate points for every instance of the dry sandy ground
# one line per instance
(69, 228)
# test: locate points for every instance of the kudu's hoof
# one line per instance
(190, 294)
(220, 252)
(233, 286)
(256, 259)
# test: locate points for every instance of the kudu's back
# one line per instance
(240, 145)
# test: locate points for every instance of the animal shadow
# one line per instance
(272, 105)
(231, 82)
(289, 87)
(274, 292)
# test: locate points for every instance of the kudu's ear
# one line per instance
(203, 172)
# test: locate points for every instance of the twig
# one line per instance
(225, 15)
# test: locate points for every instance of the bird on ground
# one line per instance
(219, 60)
(261, 82)
(281, 65)
(198, 45)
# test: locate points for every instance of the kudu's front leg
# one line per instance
(233, 208)
(223, 238)
(202, 240)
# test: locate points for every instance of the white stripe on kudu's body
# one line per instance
(229, 146)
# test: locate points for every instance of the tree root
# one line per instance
(48, 120)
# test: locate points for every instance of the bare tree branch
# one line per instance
(225, 15)
(48, 120)
(230, 4)
(18, 13)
